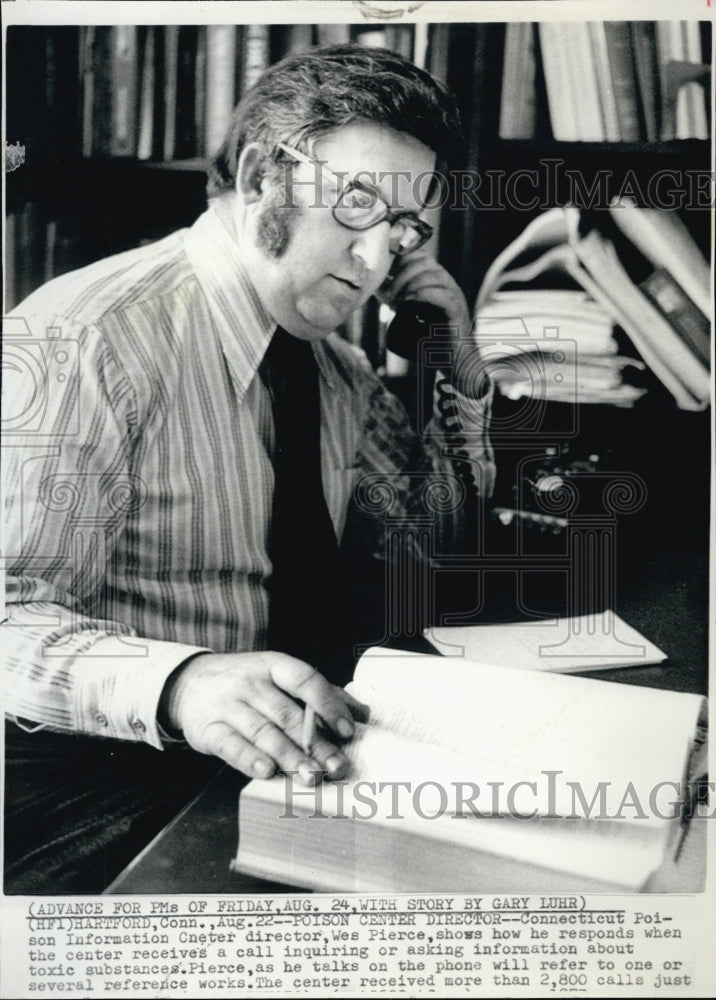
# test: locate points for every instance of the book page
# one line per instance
(525, 723)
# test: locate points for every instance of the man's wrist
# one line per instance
(167, 724)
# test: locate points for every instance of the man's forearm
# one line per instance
(72, 673)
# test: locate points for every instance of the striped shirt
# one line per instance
(138, 452)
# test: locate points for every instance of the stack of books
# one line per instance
(615, 81)
(557, 343)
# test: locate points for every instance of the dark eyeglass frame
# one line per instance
(423, 229)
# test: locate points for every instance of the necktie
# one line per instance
(307, 610)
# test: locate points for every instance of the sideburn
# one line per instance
(273, 228)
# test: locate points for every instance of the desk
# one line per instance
(664, 599)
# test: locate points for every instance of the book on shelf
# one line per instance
(605, 83)
(518, 98)
(679, 50)
(372, 37)
(199, 96)
(552, 244)
(101, 113)
(582, 72)
(560, 95)
(421, 42)
(169, 90)
(221, 69)
(147, 95)
(185, 137)
(110, 82)
(87, 85)
(643, 37)
(459, 784)
(400, 39)
(295, 38)
(621, 63)
(124, 90)
(179, 101)
(59, 118)
(397, 37)
(333, 33)
(438, 54)
(255, 55)
(698, 124)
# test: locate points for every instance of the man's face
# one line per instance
(310, 271)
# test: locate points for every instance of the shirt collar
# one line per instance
(245, 327)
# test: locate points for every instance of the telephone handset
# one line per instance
(410, 325)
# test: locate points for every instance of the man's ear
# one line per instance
(250, 173)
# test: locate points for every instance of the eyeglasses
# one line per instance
(360, 207)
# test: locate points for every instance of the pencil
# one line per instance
(309, 730)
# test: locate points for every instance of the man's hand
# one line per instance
(419, 278)
(244, 708)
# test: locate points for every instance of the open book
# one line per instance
(471, 777)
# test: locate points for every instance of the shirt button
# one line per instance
(138, 726)
(101, 719)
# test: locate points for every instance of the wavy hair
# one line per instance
(314, 92)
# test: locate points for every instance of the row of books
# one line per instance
(148, 93)
(614, 81)
(555, 302)
(164, 92)
(167, 93)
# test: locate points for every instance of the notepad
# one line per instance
(601, 641)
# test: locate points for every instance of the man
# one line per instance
(149, 535)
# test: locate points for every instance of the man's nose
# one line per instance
(372, 246)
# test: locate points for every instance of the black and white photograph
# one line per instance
(357, 451)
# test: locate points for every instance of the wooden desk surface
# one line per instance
(664, 598)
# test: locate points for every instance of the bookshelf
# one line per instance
(117, 124)
(154, 96)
